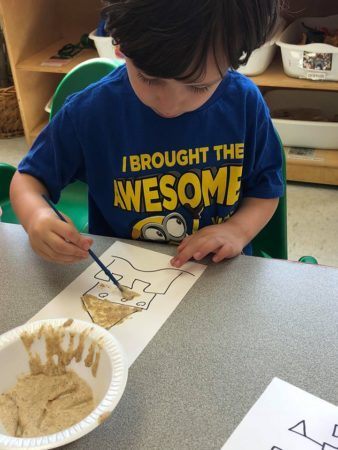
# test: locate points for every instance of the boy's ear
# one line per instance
(118, 52)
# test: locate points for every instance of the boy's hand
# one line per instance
(224, 240)
(228, 239)
(55, 240)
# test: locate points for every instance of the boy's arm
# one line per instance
(228, 239)
(51, 238)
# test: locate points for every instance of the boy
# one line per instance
(175, 146)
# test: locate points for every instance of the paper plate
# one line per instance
(108, 384)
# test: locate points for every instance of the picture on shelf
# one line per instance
(317, 61)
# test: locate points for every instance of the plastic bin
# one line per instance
(48, 106)
(105, 48)
(322, 105)
(311, 61)
(262, 57)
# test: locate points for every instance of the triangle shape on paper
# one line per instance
(104, 313)
(299, 428)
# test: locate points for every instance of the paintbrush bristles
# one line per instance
(127, 293)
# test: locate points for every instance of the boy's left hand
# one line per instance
(224, 240)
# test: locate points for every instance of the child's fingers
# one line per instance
(224, 252)
(46, 252)
(196, 248)
(184, 243)
(183, 255)
(61, 260)
(62, 247)
(205, 246)
(69, 233)
(202, 248)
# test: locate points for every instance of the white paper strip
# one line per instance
(161, 288)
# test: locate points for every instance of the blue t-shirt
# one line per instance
(156, 178)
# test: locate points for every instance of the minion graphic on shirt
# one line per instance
(171, 228)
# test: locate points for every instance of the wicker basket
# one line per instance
(10, 119)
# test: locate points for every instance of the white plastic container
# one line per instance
(105, 48)
(311, 61)
(305, 133)
(48, 106)
(108, 384)
(262, 57)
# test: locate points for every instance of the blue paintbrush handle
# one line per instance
(60, 216)
(92, 254)
(104, 268)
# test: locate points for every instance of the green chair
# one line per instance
(6, 173)
(74, 198)
(73, 202)
(80, 77)
(272, 241)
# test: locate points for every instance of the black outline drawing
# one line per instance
(302, 432)
(122, 300)
(141, 304)
(119, 276)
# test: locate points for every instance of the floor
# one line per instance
(312, 212)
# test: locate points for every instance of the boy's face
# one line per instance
(170, 98)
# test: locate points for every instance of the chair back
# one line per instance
(80, 77)
(6, 174)
(272, 240)
(74, 198)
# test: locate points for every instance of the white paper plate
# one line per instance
(108, 384)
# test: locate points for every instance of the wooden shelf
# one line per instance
(274, 76)
(34, 31)
(36, 130)
(34, 62)
(318, 166)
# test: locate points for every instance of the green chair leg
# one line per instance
(308, 260)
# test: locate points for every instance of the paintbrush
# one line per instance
(126, 293)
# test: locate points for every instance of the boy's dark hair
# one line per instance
(172, 38)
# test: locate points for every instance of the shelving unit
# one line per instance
(35, 62)
(320, 165)
(36, 29)
(274, 76)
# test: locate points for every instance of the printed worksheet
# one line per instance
(287, 418)
(94, 298)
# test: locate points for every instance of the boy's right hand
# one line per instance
(55, 240)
